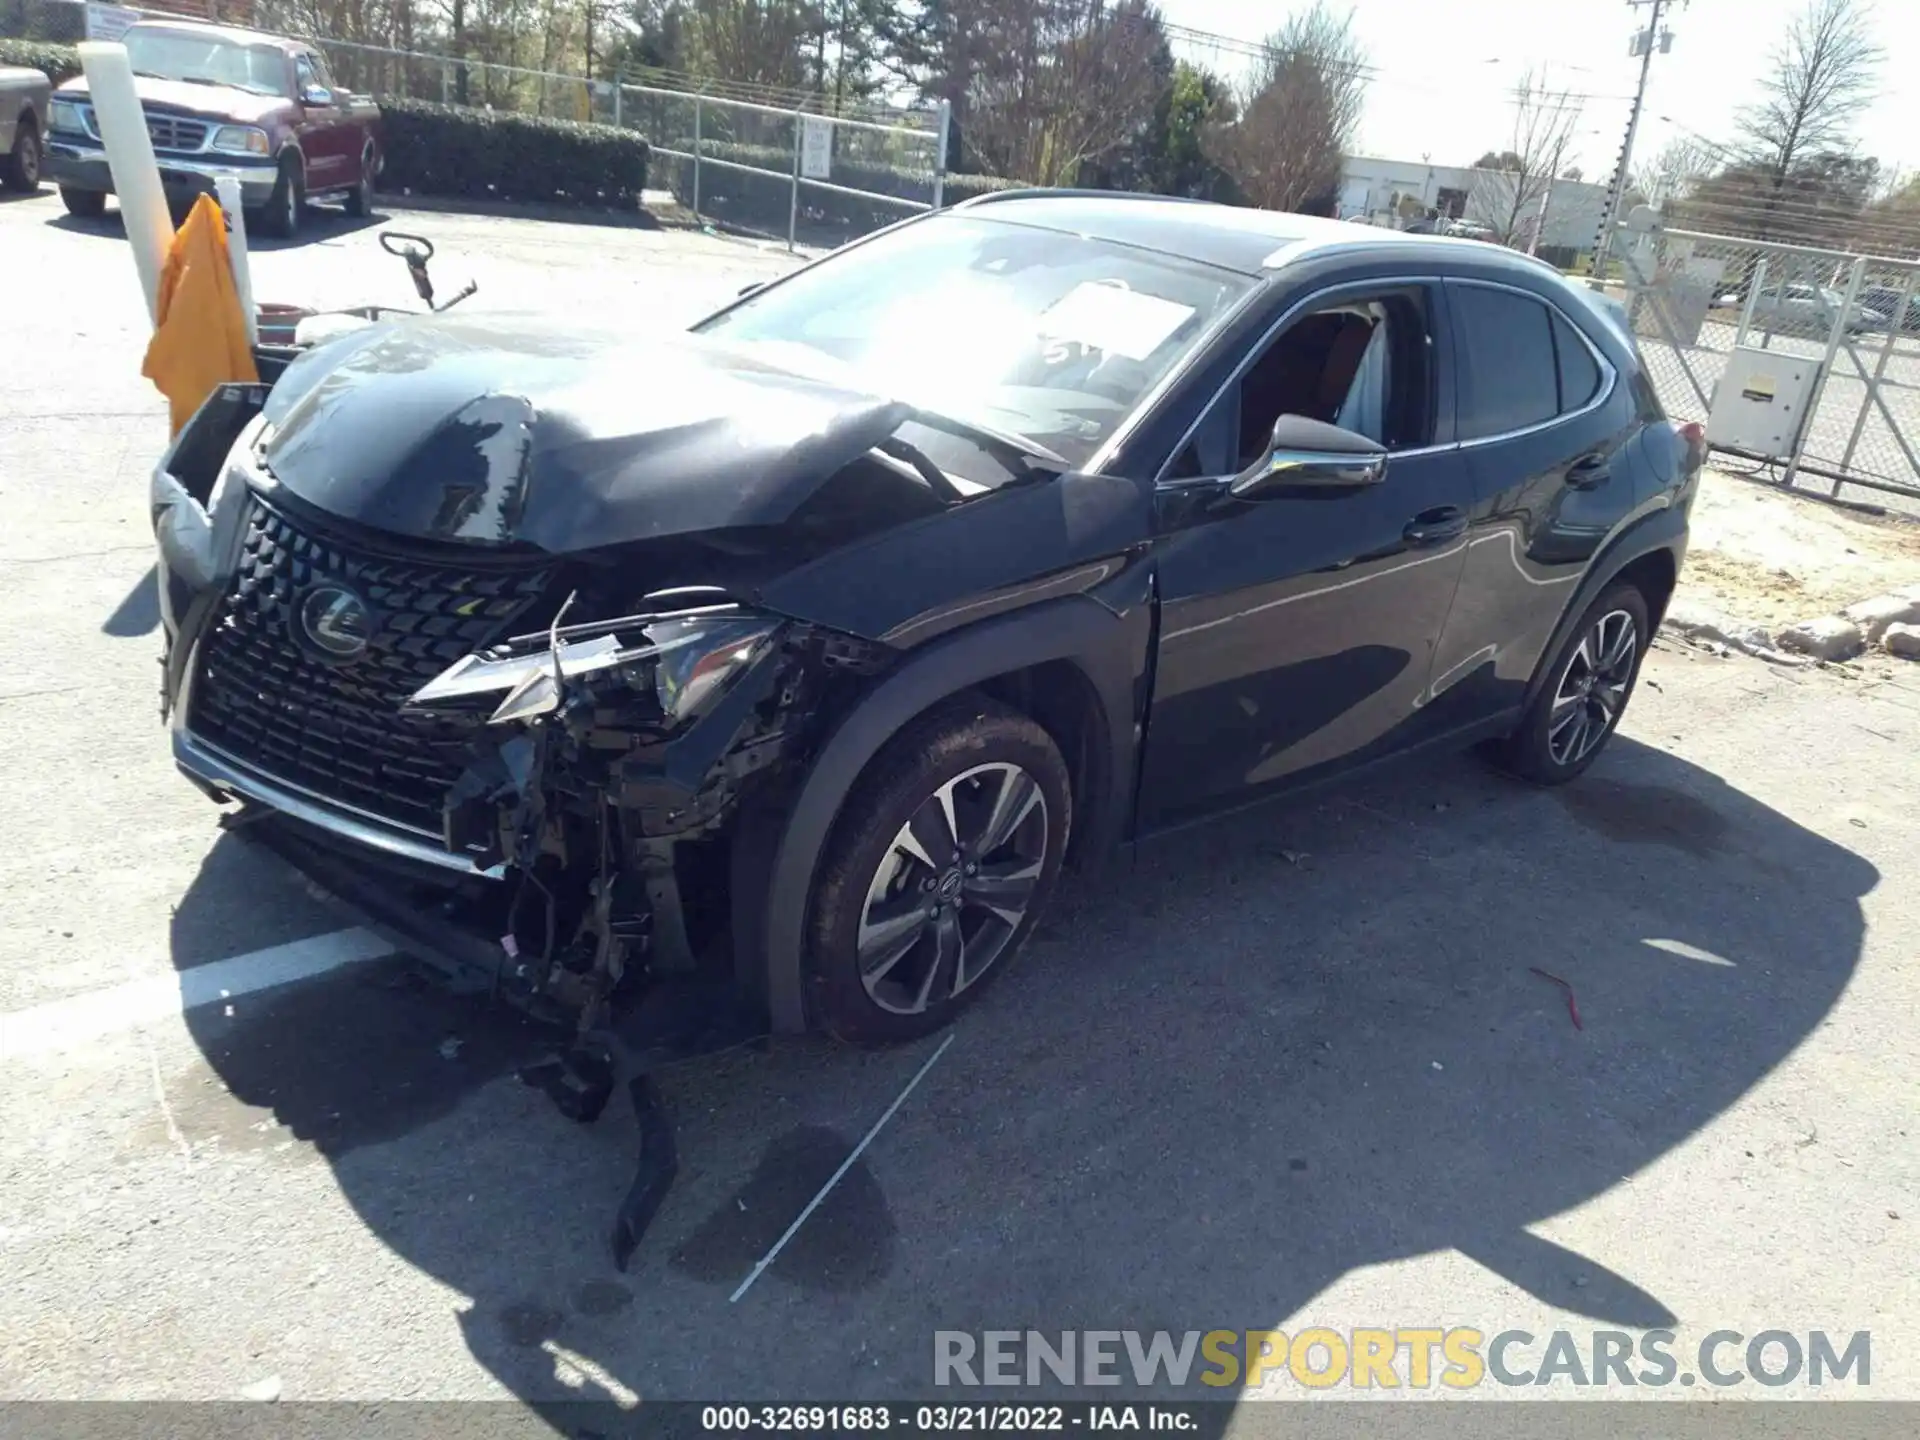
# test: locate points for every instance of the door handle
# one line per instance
(1434, 527)
(1589, 473)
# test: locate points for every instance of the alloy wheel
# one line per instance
(29, 146)
(952, 888)
(1593, 688)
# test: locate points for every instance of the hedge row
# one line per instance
(461, 152)
(762, 201)
(61, 62)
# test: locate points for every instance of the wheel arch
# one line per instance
(1072, 663)
(1649, 551)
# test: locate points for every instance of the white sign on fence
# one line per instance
(109, 22)
(816, 148)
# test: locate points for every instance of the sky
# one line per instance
(1447, 68)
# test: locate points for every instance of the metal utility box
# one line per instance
(1762, 402)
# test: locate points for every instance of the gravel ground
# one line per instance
(1294, 1071)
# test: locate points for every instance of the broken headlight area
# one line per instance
(608, 763)
(682, 661)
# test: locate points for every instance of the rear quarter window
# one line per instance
(1579, 371)
(1509, 377)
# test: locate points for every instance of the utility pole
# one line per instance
(1644, 44)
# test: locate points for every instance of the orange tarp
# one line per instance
(200, 340)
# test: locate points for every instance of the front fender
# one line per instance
(1106, 641)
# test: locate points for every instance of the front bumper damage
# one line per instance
(615, 770)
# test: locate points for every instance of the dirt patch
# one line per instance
(1775, 558)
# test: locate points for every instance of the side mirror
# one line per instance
(1308, 455)
(317, 96)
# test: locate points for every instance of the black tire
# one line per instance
(280, 216)
(360, 198)
(84, 204)
(22, 169)
(983, 751)
(1588, 684)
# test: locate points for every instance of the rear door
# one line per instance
(1297, 634)
(1547, 428)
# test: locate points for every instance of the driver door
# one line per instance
(323, 128)
(1297, 634)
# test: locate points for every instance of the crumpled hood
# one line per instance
(210, 102)
(498, 431)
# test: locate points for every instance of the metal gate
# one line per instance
(1694, 298)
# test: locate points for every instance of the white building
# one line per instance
(1398, 193)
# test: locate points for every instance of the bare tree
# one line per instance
(1298, 112)
(1824, 73)
(1511, 201)
(761, 42)
(1680, 165)
(1057, 85)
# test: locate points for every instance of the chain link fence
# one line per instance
(1698, 301)
(788, 163)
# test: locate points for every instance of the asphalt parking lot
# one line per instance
(1296, 1070)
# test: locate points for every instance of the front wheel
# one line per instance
(1587, 688)
(84, 204)
(934, 876)
(281, 216)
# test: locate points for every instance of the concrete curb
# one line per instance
(1883, 622)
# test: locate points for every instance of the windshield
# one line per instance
(1055, 338)
(205, 59)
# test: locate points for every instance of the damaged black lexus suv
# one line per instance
(767, 674)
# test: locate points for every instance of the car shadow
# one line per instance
(319, 224)
(1230, 1072)
(139, 613)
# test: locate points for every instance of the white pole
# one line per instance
(136, 176)
(228, 187)
(944, 139)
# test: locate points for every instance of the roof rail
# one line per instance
(1030, 192)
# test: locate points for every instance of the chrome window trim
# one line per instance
(1272, 332)
(1610, 377)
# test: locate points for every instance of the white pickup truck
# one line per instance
(23, 126)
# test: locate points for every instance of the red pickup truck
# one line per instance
(225, 101)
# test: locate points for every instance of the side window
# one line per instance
(1363, 363)
(1509, 379)
(1579, 374)
(303, 73)
(321, 71)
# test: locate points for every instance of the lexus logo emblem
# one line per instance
(335, 621)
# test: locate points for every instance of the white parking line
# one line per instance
(62, 1024)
